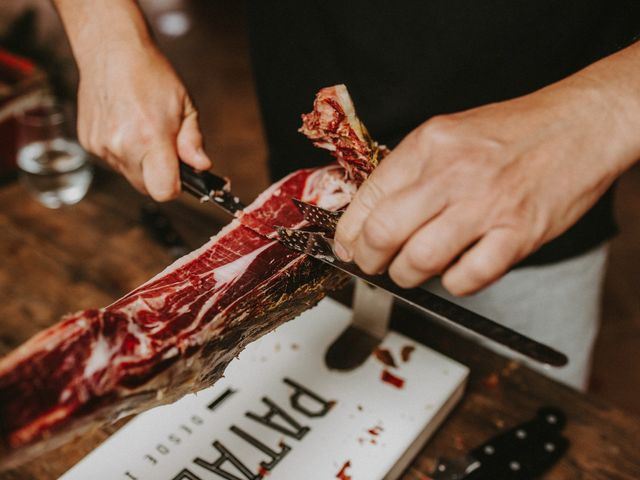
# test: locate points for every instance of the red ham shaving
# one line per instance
(334, 126)
(177, 333)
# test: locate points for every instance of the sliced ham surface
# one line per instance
(176, 333)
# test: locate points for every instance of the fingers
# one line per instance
(132, 171)
(154, 171)
(160, 163)
(149, 160)
(395, 172)
(392, 222)
(160, 171)
(189, 140)
(350, 224)
(433, 247)
(484, 263)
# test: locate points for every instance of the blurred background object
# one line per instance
(22, 86)
(53, 166)
(206, 40)
(32, 57)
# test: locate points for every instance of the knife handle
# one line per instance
(207, 186)
(525, 452)
(200, 184)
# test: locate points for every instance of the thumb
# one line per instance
(160, 171)
(189, 140)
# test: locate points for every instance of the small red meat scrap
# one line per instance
(384, 355)
(406, 352)
(342, 474)
(392, 379)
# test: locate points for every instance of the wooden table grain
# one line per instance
(55, 262)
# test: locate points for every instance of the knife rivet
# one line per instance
(489, 450)
(549, 447)
(521, 434)
(514, 466)
(552, 419)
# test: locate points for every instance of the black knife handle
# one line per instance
(200, 184)
(206, 186)
(525, 452)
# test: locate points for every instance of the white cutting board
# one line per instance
(371, 430)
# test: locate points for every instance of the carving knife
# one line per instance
(209, 187)
(320, 247)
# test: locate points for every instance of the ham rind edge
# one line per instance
(176, 333)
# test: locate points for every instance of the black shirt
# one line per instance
(405, 61)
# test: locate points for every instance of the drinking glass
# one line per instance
(53, 166)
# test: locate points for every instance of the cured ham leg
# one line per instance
(177, 333)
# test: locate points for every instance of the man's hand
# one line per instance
(133, 110)
(468, 195)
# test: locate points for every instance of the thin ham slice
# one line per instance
(334, 126)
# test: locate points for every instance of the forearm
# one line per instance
(612, 87)
(95, 25)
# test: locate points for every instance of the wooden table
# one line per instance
(54, 262)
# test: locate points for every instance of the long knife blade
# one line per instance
(316, 245)
(449, 312)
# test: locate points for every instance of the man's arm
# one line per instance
(133, 110)
(468, 195)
